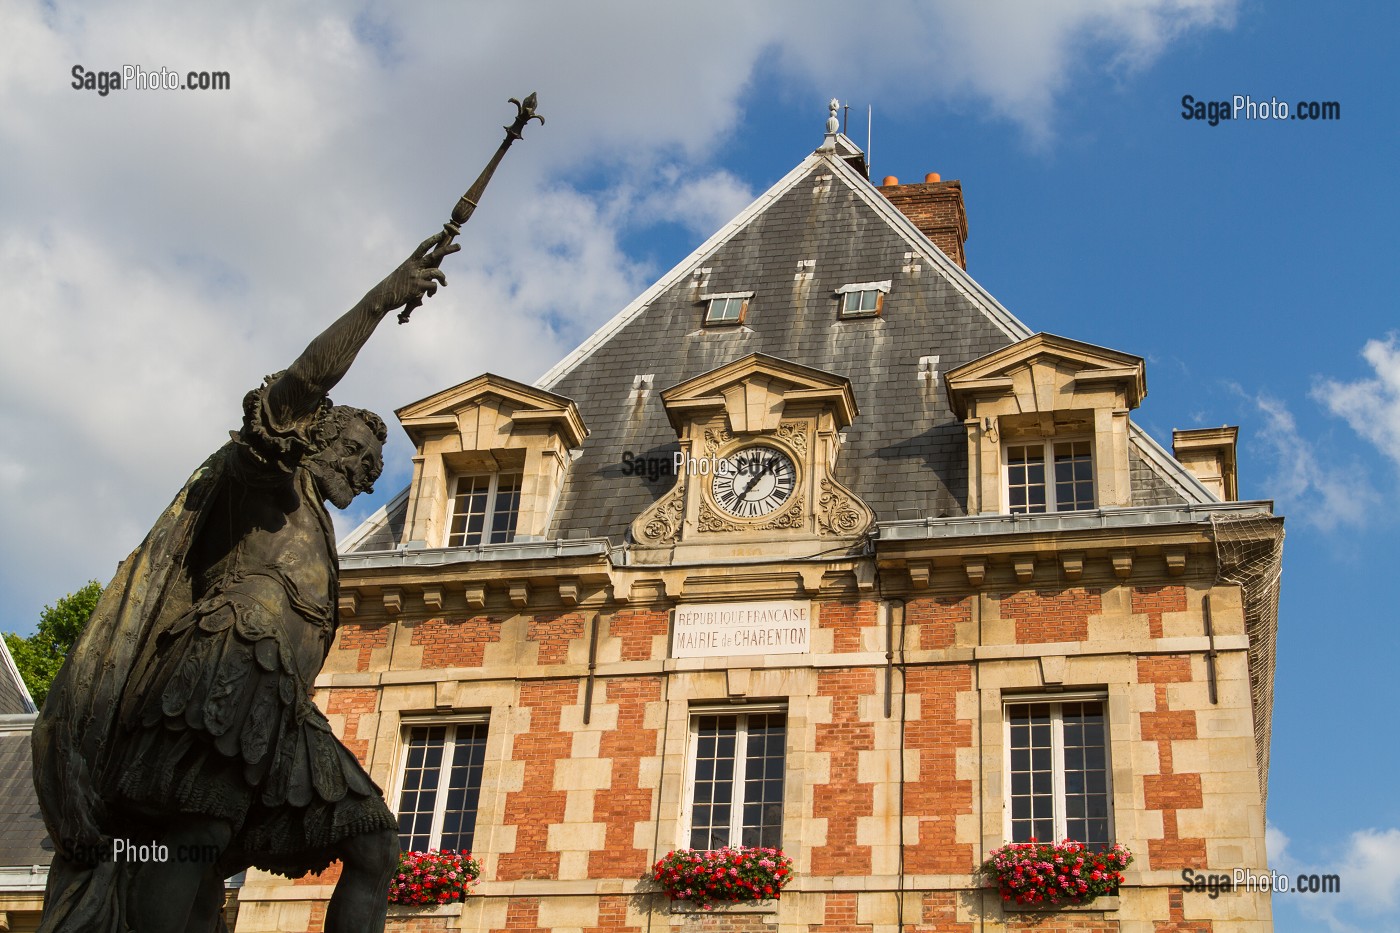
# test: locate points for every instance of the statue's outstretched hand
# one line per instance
(418, 276)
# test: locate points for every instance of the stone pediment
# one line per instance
(474, 409)
(1045, 373)
(754, 392)
(764, 414)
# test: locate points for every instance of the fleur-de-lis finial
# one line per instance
(524, 113)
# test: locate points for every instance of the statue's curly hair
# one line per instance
(333, 419)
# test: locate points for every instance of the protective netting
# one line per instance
(1249, 554)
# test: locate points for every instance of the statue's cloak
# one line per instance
(73, 736)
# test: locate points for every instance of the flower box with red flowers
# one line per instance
(1055, 874)
(433, 877)
(728, 875)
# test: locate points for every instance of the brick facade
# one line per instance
(577, 802)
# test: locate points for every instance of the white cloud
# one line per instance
(1371, 406)
(1325, 494)
(1014, 58)
(1368, 867)
(161, 251)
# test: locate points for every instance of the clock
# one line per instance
(753, 482)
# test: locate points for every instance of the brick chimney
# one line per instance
(936, 207)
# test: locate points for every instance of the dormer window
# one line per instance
(729, 308)
(863, 299)
(490, 461)
(1068, 487)
(1047, 426)
(485, 509)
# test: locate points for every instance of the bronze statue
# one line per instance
(179, 744)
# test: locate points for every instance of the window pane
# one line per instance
(724, 310)
(506, 509)
(861, 302)
(420, 785)
(1074, 476)
(1082, 808)
(1086, 779)
(727, 798)
(431, 791)
(464, 788)
(1032, 782)
(713, 792)
(763, 785)
(1025, 478)
(469, 511)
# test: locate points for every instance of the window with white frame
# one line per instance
(485, 507)
(440, 785)
(736, 775)
(865, 303)
(729, 308)
(1058, 775)
(1063, 484)
(863, 299)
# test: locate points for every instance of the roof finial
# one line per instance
(833, 124)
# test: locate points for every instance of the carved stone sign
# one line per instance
(720, 629)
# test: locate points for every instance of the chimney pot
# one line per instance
(932, 177)
(889, 182)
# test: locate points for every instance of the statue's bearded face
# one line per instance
(348, 465)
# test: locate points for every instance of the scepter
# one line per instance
(466, 204)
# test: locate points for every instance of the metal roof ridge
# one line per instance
(438, 556)
(11, 671)
(1089, 519)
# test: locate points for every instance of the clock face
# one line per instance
(753, 482)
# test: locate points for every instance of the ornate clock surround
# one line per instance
(755, 402)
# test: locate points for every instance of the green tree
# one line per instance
(39, 656)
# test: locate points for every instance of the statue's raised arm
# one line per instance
(296, 393)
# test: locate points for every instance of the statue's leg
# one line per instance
(172, 896)
(208, 905)
(361, 898)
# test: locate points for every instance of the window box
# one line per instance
(414, 911)
(767, 906)
(1105, 904)
(431, 879)
(1053, 875)
(707, 879)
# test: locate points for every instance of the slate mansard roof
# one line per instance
(22, 834)
(821, 227)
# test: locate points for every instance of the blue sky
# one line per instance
(161, 251)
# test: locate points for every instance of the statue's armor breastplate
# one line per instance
(269, 543)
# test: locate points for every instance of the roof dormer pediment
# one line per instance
(1044, 373)
(755, 391)
(461, 408)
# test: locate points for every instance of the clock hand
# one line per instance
(772, 462)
